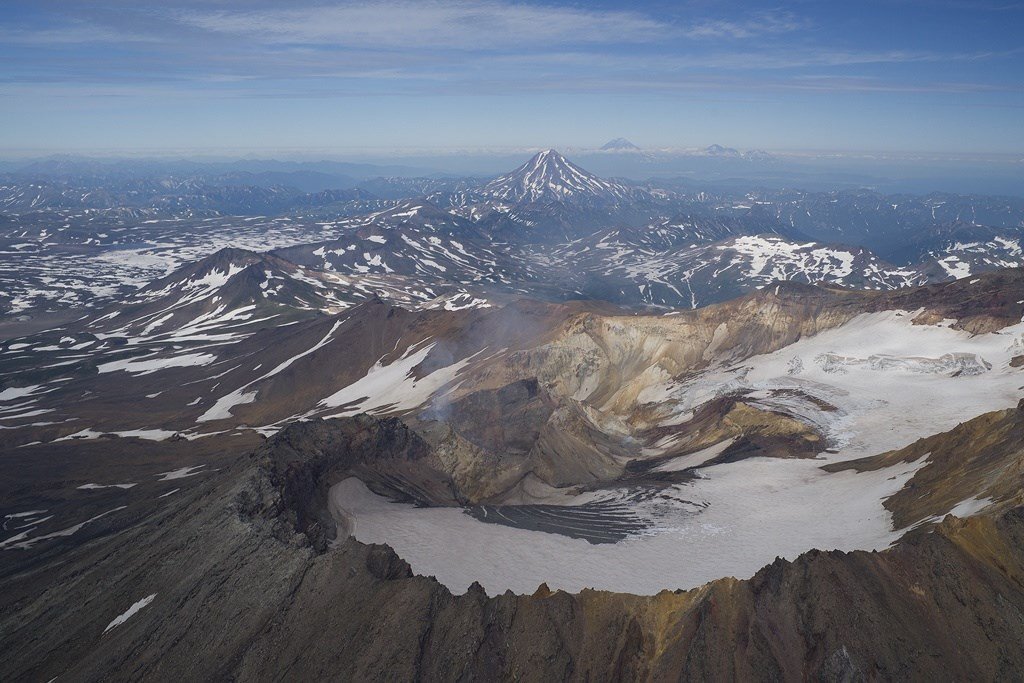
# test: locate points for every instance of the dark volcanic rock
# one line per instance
(299, 465)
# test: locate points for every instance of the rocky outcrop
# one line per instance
(296, 468)
(751, 431)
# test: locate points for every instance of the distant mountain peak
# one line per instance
(717, 150)
(549, 176)
(548, 156)
(619, 145)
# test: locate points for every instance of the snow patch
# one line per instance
(130, 612)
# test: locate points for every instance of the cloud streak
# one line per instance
(456, 25)
(759, 24)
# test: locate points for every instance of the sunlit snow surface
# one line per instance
(391, 387)
(891, 383)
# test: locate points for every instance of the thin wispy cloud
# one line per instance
(468, 24)
(445, 25)
(966, 5)
(69, 33)
(798, 58)
(758, 24)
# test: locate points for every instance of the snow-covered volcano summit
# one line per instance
(549, 176)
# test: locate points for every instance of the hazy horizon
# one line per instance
(886, 172)
(321, 153)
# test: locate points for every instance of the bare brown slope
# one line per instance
(246, 589)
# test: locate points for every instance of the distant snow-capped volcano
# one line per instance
(619, 145)
(549, 176)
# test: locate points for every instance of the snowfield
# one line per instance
(756, 510)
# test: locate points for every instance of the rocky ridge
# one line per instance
(279, 599)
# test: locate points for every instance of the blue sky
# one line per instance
(874, 75)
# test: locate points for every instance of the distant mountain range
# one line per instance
(720, 152)
(548, 228)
